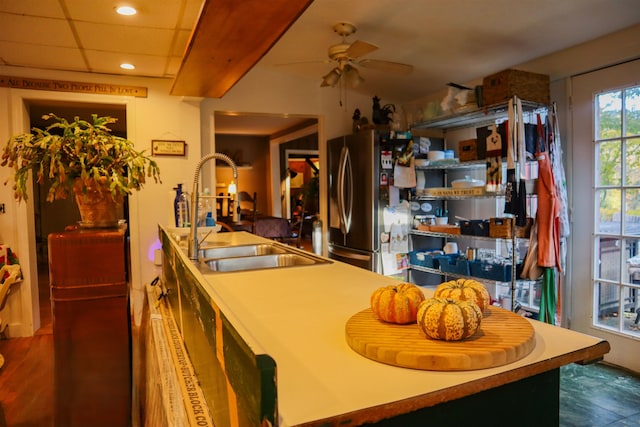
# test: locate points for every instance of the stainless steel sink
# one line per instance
(258, 262)
(240, 251)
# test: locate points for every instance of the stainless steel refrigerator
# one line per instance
(355, 208)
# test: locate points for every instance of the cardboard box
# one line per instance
(502, 86)
(468, 150)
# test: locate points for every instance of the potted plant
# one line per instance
(81, 158)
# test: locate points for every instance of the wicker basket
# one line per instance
(502, 86)
(501, 228)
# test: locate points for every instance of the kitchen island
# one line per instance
(268, 347)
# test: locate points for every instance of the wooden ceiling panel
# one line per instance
(229, 39)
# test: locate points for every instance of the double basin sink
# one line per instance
(259, 256)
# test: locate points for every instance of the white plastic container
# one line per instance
(435, 155)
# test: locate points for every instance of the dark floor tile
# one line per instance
(633, 421)
(598, 395)
(584, 414)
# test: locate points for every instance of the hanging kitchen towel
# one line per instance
(560, 180)
(494, 160)
(510, 190)
(530, 268)
(555, 151)
(521, 197)
(548, 297)
(404, 176)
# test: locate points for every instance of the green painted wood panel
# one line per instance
(250, 376)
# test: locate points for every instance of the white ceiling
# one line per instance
(87, 35)
(445, 40)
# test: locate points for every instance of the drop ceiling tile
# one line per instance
(150, 41)
(28, 55)
(50, 31)
(109, 62)
(173, 66)
(151, 13)
(191, 14)
(48, 8)
(182, 38)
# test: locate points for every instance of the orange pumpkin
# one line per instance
(449, 319)
(464, 290)
(397, 303)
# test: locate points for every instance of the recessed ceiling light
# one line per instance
(126, 10)
(126, 66)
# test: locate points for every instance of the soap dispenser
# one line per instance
(183, 210)
(176, 202)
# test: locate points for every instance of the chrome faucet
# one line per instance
(235, 214)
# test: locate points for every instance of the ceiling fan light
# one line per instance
(352, 76)
(332, 78)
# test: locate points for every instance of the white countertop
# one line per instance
(297, 315)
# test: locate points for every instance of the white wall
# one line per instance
(158, 116)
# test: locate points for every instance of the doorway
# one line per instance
(54, 217)
(604, 193)
(303, 180)
(302, 192)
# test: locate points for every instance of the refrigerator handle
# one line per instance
(345, 179)
(349, 254)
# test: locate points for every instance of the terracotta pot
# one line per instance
(97, 207)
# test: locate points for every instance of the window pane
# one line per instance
(632, 162)
(632, 111)
(609, 255)
(632, 261)
(632, 212)
(631, 308)
(609, 118)
(607, 299)
(609, 166)
(608, 213)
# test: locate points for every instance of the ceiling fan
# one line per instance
(347, 56)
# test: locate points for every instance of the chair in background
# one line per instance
(296, 227)
(248, 212)
(281, 229)
(272, 227)
(295, 233)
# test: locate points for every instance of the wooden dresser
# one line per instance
(91, 327)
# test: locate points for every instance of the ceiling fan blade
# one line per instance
(359, 48)
(388, 66)
(303, 62)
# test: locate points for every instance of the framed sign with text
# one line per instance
(168, 147)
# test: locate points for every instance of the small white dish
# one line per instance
(426, 207)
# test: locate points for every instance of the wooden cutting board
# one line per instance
(504, 337)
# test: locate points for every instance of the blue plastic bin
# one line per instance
(453, 264)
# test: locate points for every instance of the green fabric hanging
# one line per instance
(548, 298)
